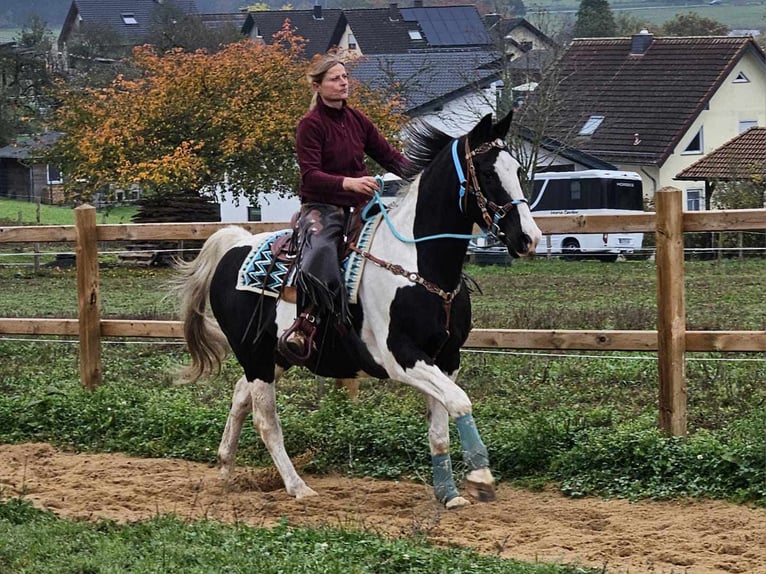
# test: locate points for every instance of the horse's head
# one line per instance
(493, 195)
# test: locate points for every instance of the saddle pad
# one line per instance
(260, 274)
(353, 265)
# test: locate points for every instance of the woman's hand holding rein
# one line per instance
(366, 185)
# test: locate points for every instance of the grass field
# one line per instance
(14, 212)
(582, 422)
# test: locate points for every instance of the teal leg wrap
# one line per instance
(444, 485)
(475, 453)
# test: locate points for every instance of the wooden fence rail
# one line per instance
(671, 340)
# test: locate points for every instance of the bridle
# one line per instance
(471, 185)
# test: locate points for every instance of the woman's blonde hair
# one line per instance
(318, 68)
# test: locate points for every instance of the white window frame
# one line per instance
(695, 203)
(741, 78)
(696, 150)
(129, 19)
(591, 125)
(48, 175)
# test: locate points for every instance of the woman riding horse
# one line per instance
(331, 142)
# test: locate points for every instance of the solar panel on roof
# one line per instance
(448, 26)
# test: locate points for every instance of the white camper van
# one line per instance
(588, 192)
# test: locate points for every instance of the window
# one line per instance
(54, 174)
(695, 145)
(351, 42)
(741, 79)
(694, 199)
(253, 213)
(745, 125)
(415, 35)
(591, 125)
(129, 19)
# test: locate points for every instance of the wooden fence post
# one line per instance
(89, 299)
(671, 311)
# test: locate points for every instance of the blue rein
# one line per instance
(463, 183)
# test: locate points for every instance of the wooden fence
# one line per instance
(671, 340)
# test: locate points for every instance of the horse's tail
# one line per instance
(206, 342)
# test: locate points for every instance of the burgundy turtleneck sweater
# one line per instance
(331, 144)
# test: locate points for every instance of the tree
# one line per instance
(594, 20)
(25, 80)
(692, 24)
(195, 121)
(171, 28)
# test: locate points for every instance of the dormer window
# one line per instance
(415, 35)
(129, 19)
(591, 125)
(741, 79)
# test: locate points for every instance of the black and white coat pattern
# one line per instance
(408, 326)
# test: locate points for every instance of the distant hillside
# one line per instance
(16, 13)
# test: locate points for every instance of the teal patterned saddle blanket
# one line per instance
(261, 274)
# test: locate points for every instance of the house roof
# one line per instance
(132, 19)
(321, 28)
(428, 78)
(649, 99)
(448, 26)
(739, 158)
(26, 147)
(222, 21)
(504, 28)
(382, 30)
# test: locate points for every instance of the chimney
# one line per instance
(640, 43)
(317, 11)
(393, 12)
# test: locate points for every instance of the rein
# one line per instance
(466, 186)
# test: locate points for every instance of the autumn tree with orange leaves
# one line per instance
(196, 121)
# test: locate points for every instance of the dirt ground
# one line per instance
(657, 537)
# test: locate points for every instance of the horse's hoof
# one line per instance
(304, 492)
(481, 491)
(457, 502)
(481, 485)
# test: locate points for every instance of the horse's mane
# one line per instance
(422, 143)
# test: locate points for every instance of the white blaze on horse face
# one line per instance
(507, 169)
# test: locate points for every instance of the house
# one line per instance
(656, 105)
(25, 176)
(450, 90)
(742, 158)
(321, 28)
(115, 26)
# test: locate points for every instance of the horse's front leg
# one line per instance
(438, 436)
(267, 422)
(453, 400)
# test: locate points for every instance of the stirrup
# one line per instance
(302, 332)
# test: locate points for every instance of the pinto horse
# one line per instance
(412, 314)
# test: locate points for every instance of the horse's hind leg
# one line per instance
(267, 422)
(351, 386)
(241, 406)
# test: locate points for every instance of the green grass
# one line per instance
(584, 422)
(14, 212)
(36, 542)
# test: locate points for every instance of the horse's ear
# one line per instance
(482, 132)
(500, 129)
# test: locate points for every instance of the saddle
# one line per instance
(285, 248)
